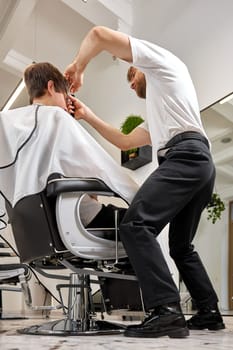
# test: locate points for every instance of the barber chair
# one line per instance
(49, 232)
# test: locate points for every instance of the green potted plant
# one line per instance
(215, 208)
(135, 157)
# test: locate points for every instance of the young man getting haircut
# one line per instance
(43, 138)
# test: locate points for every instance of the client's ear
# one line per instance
(50, 87)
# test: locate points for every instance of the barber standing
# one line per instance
(176, 192)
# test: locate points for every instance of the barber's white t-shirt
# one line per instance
(171, 100)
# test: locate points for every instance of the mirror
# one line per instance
(218, 123)
(213, 241)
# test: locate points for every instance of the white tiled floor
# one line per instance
(11, 340)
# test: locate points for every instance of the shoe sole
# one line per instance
(174, 333)
(210, 327)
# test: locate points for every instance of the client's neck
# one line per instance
(44, 100)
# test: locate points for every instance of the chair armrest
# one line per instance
(87, 185)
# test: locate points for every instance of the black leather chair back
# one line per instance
(34, 227)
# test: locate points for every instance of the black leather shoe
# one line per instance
(207, 318)
(163, 320)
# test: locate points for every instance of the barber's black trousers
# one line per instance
(176, 193)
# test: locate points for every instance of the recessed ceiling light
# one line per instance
(17, 61)
(226, 139)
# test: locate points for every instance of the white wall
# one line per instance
(200, 33)
(211, 61)
(110, 96)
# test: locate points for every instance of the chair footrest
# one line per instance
(46, 307)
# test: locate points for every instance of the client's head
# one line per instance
(46, 84)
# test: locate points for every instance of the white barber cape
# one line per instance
(37, 141)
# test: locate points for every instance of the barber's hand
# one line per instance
(78, 109)
(69, 105)
(74, 77)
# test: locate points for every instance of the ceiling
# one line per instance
(39, 30)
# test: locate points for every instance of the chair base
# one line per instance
(4, 318)
(66, 327)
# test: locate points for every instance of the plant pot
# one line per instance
(143, 156)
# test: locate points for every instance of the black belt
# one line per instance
(187, 135)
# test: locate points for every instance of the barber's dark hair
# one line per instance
(37, 75)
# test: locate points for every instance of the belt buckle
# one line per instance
(162, 152)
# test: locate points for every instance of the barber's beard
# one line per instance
(141, 88)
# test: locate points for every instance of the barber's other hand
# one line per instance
(78, 109)
(74, 77)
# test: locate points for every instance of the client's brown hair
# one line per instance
(37, 75)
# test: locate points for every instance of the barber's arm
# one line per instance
(137, 138)
(97, 40)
